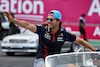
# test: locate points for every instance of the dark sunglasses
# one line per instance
(51, 19)
(97, 57)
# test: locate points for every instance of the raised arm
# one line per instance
(21, 23)
(84, 43)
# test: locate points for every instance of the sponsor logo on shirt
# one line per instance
(47, 36)
(60, 37)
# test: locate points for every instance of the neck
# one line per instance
(54, 30)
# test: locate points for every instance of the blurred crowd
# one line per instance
(12, 29)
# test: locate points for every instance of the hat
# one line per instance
(56, 14)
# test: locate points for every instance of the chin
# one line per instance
(95, 63)
(50, 27)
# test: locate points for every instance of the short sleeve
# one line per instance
(40, 29)
(70, 37)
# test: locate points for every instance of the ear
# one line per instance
(58, 21)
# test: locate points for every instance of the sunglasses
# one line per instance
(97, 57)
(51, 19)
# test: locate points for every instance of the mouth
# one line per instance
(95, 63)
(49, 24)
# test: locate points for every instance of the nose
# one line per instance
(95, 58)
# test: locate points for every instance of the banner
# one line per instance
(37, 10)
(92, 32)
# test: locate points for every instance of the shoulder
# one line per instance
(45, 26)
(81, 18)
(62, 29)
(42, 25)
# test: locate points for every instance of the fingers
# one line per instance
(6, 13)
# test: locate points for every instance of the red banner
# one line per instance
(37, 10)
(92, 32)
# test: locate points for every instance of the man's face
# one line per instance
(52, 22)
(96, 60)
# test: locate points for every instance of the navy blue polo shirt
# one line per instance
(51, 43)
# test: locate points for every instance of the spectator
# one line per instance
(13, 29)
(0, 25)
(0, 21)
(96, 59)
(95, 62)
(82, 26)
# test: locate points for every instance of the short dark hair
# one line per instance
(59, 23)
(83, 15)
(94, 54)
(51, 13)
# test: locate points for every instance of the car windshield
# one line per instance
(81, 59)
(26, 31)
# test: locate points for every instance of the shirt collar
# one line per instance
(60, 30)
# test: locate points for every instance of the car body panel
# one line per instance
(20, 43)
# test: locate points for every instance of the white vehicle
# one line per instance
(80, 59)
(26, 41)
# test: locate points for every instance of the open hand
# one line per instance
(10, 18)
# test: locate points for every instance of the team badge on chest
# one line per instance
(47, 36)
(60, 37)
